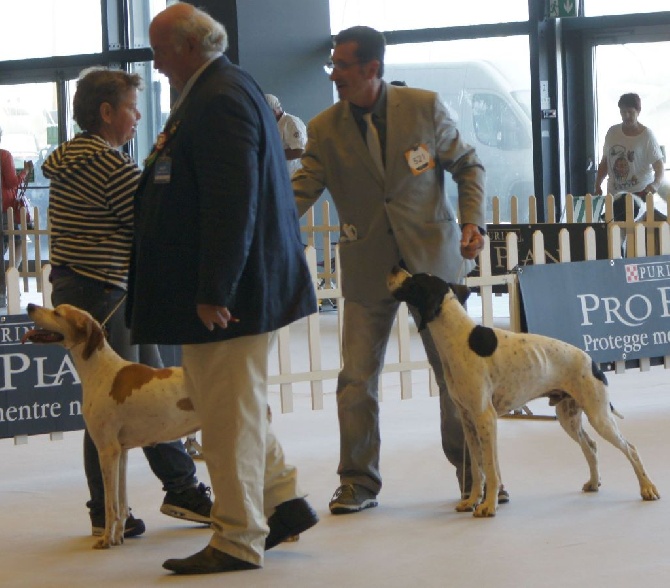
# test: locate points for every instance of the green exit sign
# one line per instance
(563, 8)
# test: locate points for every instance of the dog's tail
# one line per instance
(615, 411)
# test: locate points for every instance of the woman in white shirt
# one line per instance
(632, 158)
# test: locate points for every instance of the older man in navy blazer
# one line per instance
(387, 182)
(218, 266)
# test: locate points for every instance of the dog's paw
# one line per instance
(102, 543)
(466, 505)
(591, 486)
(649, 492)
(485, 509)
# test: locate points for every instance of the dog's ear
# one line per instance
(95, 339)
(462, 292)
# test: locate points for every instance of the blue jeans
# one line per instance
(169, 461)
(366, 332)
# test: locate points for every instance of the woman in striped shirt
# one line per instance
(91, 216)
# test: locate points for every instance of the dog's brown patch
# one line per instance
(185, 404)
(133, 377)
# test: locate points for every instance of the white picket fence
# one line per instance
(315, 342)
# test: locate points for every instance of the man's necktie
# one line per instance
(372, 139)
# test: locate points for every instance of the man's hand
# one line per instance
(472, 241)
(212, 315)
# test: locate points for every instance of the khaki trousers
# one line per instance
(227, 383)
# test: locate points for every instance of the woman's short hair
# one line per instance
(199, 25)
(97, 86)
(630, 100)
(371, 44)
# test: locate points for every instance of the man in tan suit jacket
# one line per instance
(392, 210)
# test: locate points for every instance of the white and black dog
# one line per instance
(490, 372)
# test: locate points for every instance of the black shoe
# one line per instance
(193, 504)
(133, 527)
(350, 498)
(290, 518)
(208, 561)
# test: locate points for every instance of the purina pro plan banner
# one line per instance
(612, 309)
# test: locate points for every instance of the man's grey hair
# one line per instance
(210, 33)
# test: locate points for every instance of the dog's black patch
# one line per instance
(598, 373)
(483, 341)
(425, 293)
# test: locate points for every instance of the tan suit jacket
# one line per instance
(401, 216)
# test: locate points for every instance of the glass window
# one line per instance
(488, 95)
(27, 118)
(610, 7)
(496, 125)
(44, 28)
(142, 11)
(400, 15)
(154, 106)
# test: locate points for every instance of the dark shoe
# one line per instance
(133, 527)
(193, 504)
(350, 498)
(503, 495)
(208, 561)
(289, 519)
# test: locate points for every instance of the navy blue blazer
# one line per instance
(216, 221)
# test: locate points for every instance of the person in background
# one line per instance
(292, 131)
(91, 219)
(11, 182)
(632, 159)
(393, 211)
(218, 267)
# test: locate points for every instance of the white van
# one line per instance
(491, 116)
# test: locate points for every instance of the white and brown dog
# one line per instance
(490, 372)
(125, 404)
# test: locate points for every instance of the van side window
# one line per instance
(495, 124)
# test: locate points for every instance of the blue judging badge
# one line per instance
(163, 170)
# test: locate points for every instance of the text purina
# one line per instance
(652, 271)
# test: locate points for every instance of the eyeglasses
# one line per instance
(331, 66)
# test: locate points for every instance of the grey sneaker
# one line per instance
(352, 498)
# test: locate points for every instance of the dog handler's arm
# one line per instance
(211, 315)
(472, 241)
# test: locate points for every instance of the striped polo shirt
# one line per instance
(91, 208)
